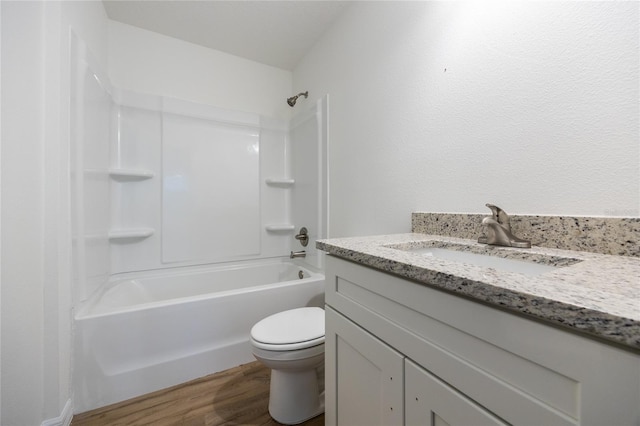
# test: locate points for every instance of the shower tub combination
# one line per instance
(147, 331)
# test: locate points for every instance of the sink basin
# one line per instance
(503, 264)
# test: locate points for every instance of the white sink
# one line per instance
(508, 265)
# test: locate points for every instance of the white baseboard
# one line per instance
(64, 419)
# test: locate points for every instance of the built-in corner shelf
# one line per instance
(280, 182)
(130, 174)
(130, 233)
(280, 227)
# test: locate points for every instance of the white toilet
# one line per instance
(291, 343)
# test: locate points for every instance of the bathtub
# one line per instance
(147, 331)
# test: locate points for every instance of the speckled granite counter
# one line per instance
(594, 294)
(606, 235)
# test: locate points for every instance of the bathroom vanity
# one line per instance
(416, 337)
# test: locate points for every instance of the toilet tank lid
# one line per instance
(292, 326)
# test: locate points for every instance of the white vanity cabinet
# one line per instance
(401, 352)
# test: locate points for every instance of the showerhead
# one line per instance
(292, 100)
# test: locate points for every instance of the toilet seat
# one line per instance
(290, 330)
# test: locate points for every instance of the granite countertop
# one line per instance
(594, 294)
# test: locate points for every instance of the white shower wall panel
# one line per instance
(90, 123)
(210, 190)
(136, 202)
(275, 202)
(308, 152)
(138, 134)
(97, 107)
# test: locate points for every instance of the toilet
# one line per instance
(291, 344)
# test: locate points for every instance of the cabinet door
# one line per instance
(364, 376)
(430, 401)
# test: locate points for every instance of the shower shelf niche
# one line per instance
(280, 182)
(130, 233)
(130, 174)
(280, 227)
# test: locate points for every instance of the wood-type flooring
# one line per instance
(238, 396)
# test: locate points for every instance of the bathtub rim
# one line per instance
(83, 312)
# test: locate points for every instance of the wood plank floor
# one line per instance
(238, 396)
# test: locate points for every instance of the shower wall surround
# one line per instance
(160, 182)
(202, 201)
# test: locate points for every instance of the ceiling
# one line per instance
(276, 33)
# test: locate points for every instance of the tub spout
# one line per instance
(300, 253)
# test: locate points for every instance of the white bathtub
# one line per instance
(145, 332)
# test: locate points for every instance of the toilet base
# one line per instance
(295, 396)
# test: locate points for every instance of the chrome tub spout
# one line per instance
(295, 254)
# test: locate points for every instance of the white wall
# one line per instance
(445, 106)
(22, 207)
(147, 62)
(36, 274)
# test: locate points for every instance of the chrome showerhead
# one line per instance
(292, 100)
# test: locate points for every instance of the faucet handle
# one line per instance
(500, 216)
(494, 210)
(303, 236)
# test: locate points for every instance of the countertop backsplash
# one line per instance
(604, 235)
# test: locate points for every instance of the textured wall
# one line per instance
(445, 106)
(148, 62)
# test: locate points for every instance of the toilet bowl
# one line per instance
(291, 344)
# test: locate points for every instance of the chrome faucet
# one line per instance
(300, 253)
(499, 230)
